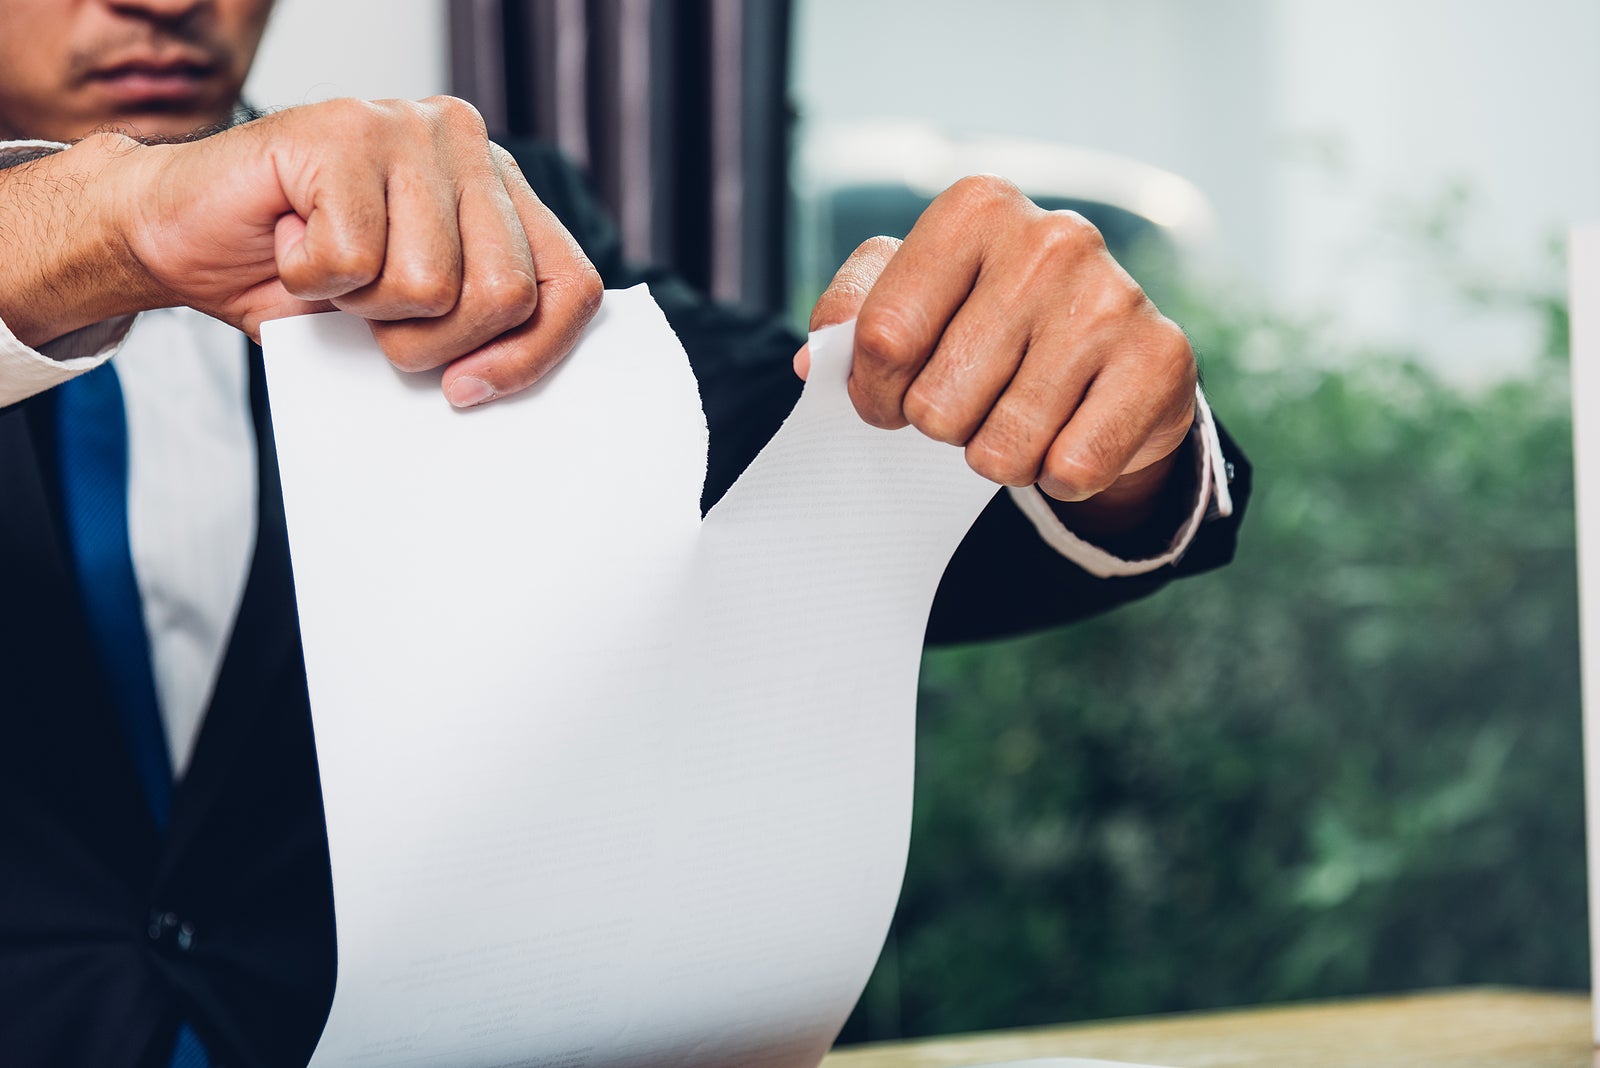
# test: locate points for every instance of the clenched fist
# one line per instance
(1011, 331)
(402, 213)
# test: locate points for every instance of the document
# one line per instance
(606, 785)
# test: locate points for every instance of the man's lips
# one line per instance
(154, 83)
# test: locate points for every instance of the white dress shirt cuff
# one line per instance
(26, 149)
(25, 371)
(1212, 498)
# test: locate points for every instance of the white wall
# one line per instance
(1318, 129)
(317, 49)
(1408, 99)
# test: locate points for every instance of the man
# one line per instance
(162, 854)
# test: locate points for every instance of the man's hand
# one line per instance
(1011, 331)
(402, 213)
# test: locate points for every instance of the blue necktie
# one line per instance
(92, 442)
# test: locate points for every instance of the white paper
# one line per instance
(604, 785)
(1585, 311)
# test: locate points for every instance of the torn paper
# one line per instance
(605, 785)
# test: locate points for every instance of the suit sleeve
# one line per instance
(1003, 580)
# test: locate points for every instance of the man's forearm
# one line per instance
(66, 264)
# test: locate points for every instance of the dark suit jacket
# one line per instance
(92, 972)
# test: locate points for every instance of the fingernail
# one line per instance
(465, 392)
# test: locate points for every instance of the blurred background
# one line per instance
(1349, 763)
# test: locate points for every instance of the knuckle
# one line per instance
(410, 361)
(980, 192)
(509, 292)
(507, 164)
(1085, 472)
(880, 246)
(428, 295)
(1118, 300)
(1169, 362)
(886, 339)
(359, 117)
(1067, 236)
(1173, 348)
(1130, 300)
(456, 114)
(873, 407)
(1003, 449)
(1151, 344)
(931, 408)
(399, 349)
(342, 107)
(1001, 461)
(350, 265)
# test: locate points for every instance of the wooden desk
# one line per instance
(1474, 1028)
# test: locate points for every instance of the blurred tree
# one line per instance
(1349, 763)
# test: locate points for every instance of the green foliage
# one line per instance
(1348, 763)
